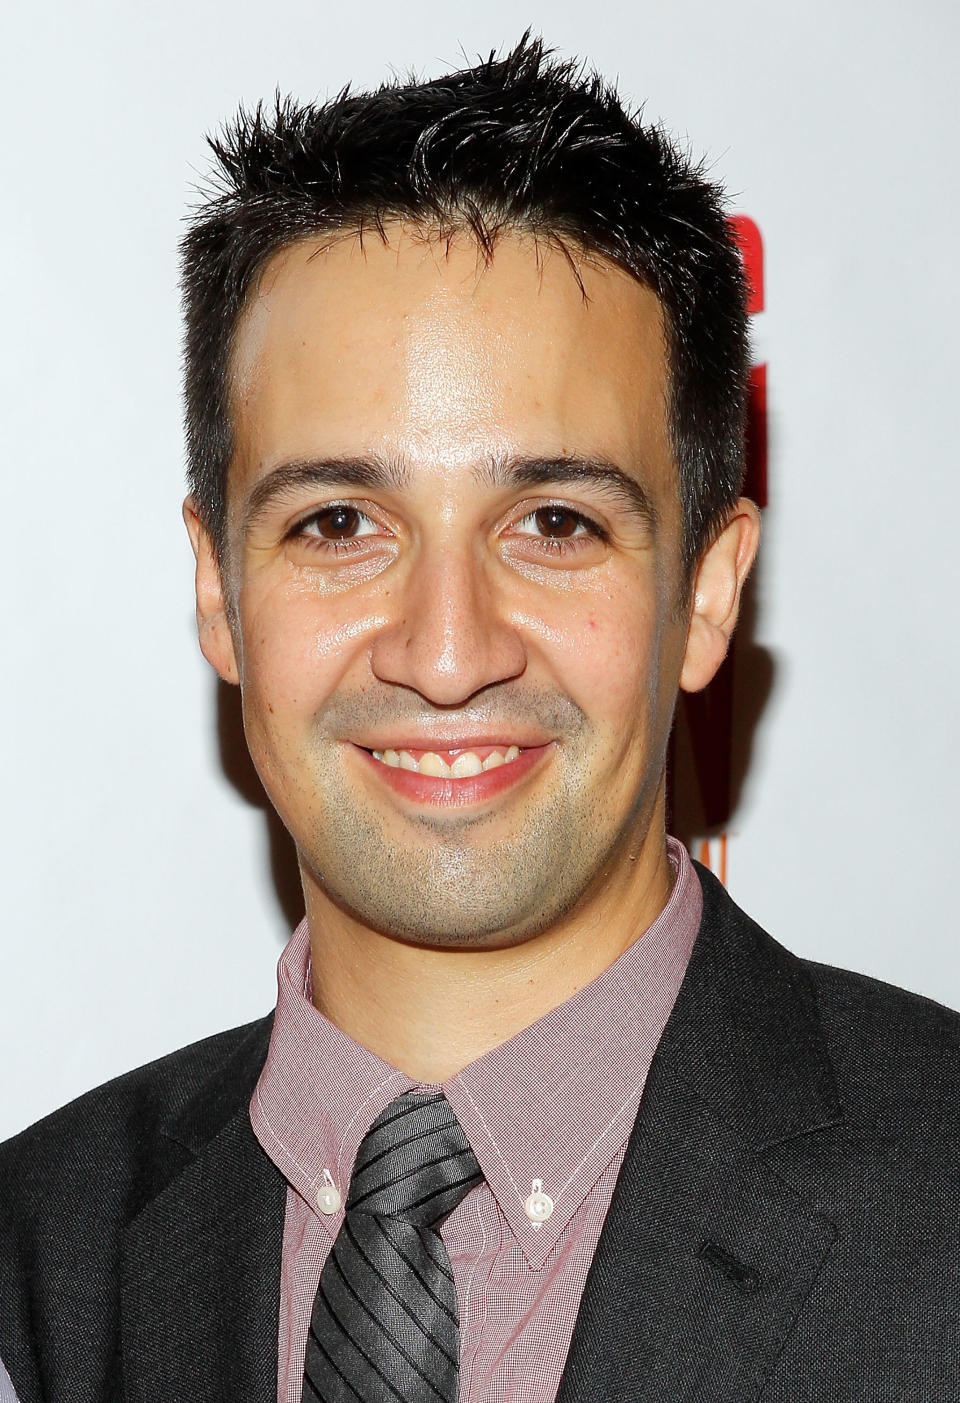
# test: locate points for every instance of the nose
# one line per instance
(451, 635)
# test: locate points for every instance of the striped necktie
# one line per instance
(385, 1327)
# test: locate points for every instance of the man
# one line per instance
(541, 1114)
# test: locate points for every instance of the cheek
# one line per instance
(604, 652)
(297, 648)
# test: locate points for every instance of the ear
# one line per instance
(719, 582)
(213, 625)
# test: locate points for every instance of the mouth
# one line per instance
(458, 763)
(455, 776)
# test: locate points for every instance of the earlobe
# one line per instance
(720, 578)
(213, 624)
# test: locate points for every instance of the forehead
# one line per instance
(419, 349)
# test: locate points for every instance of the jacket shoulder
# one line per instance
(887, 1056)
(119, 1140)
(895, 1056)
(70, 1187)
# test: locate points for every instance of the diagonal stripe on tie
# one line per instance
(417, 1172)
(390, 1149)
(385, 1327)
(392, 1289)
(415, 1271)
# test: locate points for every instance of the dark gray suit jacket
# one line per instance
(786, 1225)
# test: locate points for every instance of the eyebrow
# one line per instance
(600, 474)
(374, 474)
(393, 475)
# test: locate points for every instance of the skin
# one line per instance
(458, 608)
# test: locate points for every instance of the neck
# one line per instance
(430, 1012)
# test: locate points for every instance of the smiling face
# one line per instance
(454, 531)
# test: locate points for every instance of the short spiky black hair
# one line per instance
(525, 143)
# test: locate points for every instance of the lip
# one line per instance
(456, 793)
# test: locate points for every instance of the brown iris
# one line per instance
(337, 523)
(556, 521)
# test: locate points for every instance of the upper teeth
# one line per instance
(466, 763)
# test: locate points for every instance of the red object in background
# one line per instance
(755, 481)
(749, 238)
(750, 242)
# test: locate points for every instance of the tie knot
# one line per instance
(415, 1162)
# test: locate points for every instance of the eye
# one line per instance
(557, 523)
(338, 522)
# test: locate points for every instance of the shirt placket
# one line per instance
(474, 1238)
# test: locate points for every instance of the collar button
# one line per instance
(328, 1195)
(539, 1205)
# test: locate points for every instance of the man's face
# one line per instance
(454, 527)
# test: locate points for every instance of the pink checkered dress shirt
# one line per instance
(555, 1103)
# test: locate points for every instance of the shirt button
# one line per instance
(539, 1205)
(328, 1195)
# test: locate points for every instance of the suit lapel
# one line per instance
(201, 1266)
(712, 1242)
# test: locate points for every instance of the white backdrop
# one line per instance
(138, 908)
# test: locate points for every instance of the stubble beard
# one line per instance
(456, 882)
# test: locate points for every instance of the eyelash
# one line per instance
(345, 547)
(564, 545)
(553, 545)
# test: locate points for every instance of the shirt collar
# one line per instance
(319, 1091)
(555, 1103)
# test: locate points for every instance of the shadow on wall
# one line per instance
(714, 732)
(239, 770)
